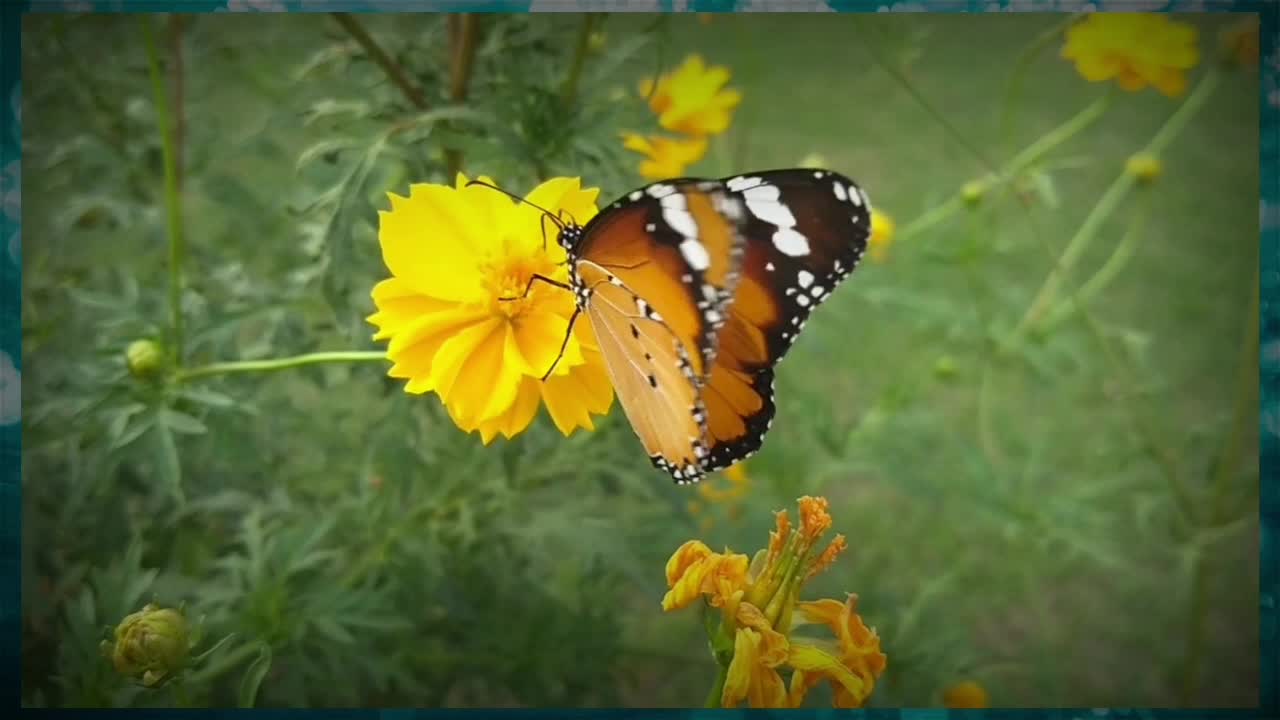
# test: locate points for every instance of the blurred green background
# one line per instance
(364, 551)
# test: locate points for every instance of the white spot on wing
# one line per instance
(769, 266)
(660, 190)
(802, 300)
(854, 196)
(694, 252)
(841, 195)
(805, 278)
(636, 195)
(742, 182)
(790, 242)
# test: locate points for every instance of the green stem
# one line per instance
(716, 692)
(242, 366)
(172, 201)
(464, 34)
(1225, 469)
(1006, 174)
(1013, 92)
(393, 70)
(570, 90)
(1108, 203)
(1110, 269)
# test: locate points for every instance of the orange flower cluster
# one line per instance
(760, 609)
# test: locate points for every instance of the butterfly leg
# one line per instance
(532, 280)
(564, 343)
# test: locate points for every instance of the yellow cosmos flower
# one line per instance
(882, 230)
(1134, 49)
(760, 605)
(967, 694)
(692, 99)
(457, 319)
(665, 157)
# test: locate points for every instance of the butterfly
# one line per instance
(696, 289)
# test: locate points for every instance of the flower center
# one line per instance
(510, 285)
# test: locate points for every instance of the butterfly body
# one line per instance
(695, 289)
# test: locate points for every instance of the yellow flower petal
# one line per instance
(573, 397)
(850, 691)
(433, 241)
(1136, 49)
(539, 335)
(399, 304)
(692, 99)
(665, 158)
(413, 348)
(516, 418)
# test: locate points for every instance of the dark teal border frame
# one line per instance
(11, 12)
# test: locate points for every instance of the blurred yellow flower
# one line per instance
(1240, 41)
(815, 161)
(1144, 167)
(665, 157)
(882, 230)
(455, 313)
(967, 694)
(1134, 49)
(692, 99)
(760, 605)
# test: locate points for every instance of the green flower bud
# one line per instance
(152, 643)
(945, 367)
(144, 357)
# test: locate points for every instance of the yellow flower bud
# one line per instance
(144, 357)
(152, 643)
(973, 191)
(967, 694)
(1144, 167)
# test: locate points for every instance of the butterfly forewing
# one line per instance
(651, 372)
(676, 246)
(806, 230)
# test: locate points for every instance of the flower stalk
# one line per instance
(394, 71)
(285, 363)
(1107, 205)
(570, 91)
(172, 198)
(464, 36)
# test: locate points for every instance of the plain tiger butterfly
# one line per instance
(697, 288)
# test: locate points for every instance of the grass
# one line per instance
(1049, 573)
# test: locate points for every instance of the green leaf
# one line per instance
(332, 630)
(326, 148)
(203, 396)
(119, 430)
(253, 676)
(167, 463)
(181, 422)
(1045, 189)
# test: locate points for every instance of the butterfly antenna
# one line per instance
(519, 199)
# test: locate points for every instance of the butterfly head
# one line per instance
(569, 236)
